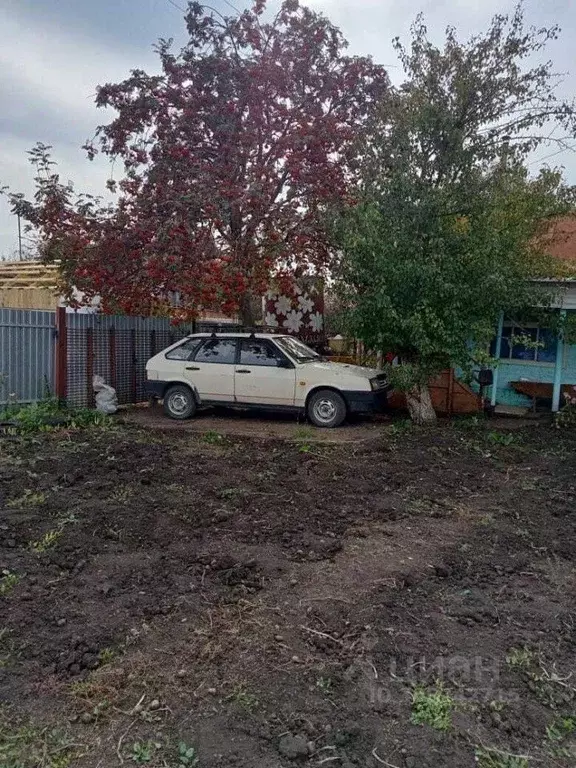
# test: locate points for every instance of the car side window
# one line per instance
(217, 351)
(184, 351)
(258, 352)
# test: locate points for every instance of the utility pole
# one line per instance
(19, 238)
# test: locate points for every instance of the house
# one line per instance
(544, 367)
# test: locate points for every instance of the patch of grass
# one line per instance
(432, 707)
(49, 415)
(303, 433)
(520, 658)
(106, 656)
(122, 495)
(242, 697)
(502, 438)
(400, 427)
(28, 499)
(230, 494)
(561, 730)
(25, 745)
(8, 581)
(48, 541)
(490, 757)
(187, 757)
(213, 438)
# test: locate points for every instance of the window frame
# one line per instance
(178, 346)
(217, 362)
(280, 356)
(513, 326)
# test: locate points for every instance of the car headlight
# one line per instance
(378, 384)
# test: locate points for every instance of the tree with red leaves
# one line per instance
(231, 155)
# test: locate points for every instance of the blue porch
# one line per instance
(545, 358)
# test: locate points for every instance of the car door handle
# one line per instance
(192, 368)
(243, 370)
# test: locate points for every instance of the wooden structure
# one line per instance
(449, 395)
(29, 285)
(540, 390)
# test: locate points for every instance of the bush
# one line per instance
(48, 415)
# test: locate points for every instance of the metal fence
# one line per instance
(27, 354)
(57, 353)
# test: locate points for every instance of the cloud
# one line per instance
(48, 76)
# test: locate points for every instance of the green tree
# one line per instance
(444, 234)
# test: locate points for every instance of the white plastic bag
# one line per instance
(106, 397)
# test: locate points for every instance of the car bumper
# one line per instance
(366, 402)
(155, 388)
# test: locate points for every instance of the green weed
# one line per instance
(243, 698)
(558, 733)
(49, 414)
(143, 751)
(187, 757)
(29, 746)
(8, 581)
(48, 541)
(213, 438)
(432, 707)
(520, 658)
(490, 757)
(502, 438)
(106, 656)
(28, 499)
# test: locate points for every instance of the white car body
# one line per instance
(260, 370)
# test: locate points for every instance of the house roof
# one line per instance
(28, 274)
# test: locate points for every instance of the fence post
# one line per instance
(450, 403)
(89, 366)
(112, 355)
(134, 382)
(152, 343)
(61, 354)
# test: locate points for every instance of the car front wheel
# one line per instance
(179, 402)
(326, 409)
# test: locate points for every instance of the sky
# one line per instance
(55, 52)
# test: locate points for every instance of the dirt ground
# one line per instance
(179, 598)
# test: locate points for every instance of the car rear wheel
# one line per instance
(326, 409)
(179, 402)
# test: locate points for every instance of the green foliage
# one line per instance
(213, 438)
(8, 580)
(432, 707)
(187, 757)
(25, 745)
(444, 236)
(142, 752)
(49, 415)
(520, 658)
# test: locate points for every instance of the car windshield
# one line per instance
(296, 349)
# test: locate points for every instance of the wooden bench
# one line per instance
(539, 390)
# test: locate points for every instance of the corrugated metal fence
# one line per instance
(27, 354)
(57, 353)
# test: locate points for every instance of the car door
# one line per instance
(263, 375)
(211, 370)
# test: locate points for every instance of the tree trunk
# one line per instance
(246, 311)
(420, 405)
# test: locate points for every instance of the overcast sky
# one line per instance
(54, 53)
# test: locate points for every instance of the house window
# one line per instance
(530, 344)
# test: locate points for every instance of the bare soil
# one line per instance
(407, 601)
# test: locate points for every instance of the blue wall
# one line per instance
(514, 370)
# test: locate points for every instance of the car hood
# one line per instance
(344, 369)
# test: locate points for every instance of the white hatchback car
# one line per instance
(261, 370)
